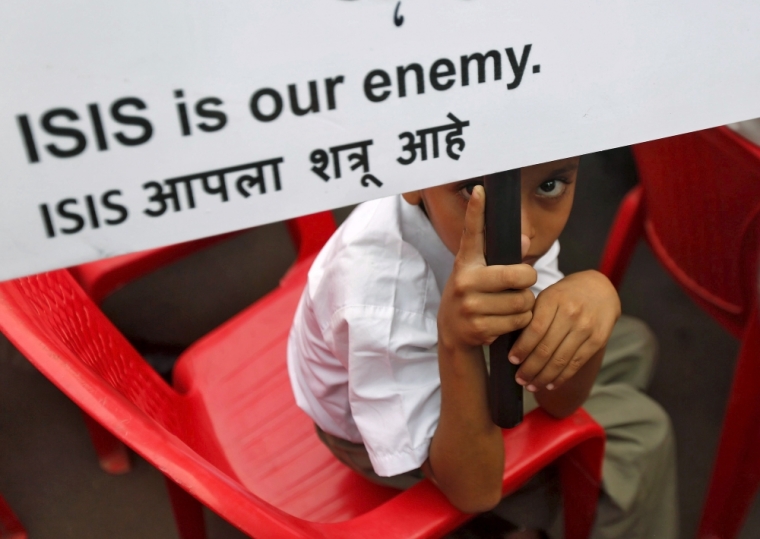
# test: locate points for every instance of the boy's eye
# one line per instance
(551, 188)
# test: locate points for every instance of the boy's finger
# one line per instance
(473, 242)
(500, 278)
(500, 303)
(565, 357)
(580, 358)
(543, 352)
(496, 325)
(543, 317)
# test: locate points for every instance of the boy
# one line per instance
(386, 355)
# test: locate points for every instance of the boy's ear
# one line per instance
(413, 197)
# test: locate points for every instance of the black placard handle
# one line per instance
(503, 247)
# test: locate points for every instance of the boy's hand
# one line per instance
(572, 321)
(481, 302)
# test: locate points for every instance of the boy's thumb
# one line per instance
(524, 244)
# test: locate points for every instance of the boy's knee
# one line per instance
(640, 334)
(631, 354)
(638, 429)
(660, 437)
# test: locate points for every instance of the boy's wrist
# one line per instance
(453, 341)
(453, 345)
(458, 353)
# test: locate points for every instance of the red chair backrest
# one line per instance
(54, 310)
(699, 190)
(100, 278)
(311, 232)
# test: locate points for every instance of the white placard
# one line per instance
(130, 125)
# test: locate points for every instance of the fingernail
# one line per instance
(521, 381)
(550, 386)
(514, 359)
(532, 388)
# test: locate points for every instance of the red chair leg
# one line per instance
(624, 234)
(736, 473)
(581, 476)
(113, 455)
(188, 512)
(10, 527)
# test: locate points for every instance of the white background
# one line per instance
(612, 73)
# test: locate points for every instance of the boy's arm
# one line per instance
(561, 350)
(479, 303)
(466, 458)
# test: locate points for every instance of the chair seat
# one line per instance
(235, 383)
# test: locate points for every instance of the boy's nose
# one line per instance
(524, 244)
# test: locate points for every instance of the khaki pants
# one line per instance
(639, 497)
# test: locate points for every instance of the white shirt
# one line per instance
(362, 352)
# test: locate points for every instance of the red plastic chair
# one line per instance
(698, 207)
(10, 527)
(102, 277)
(229, 432)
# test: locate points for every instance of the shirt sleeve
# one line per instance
(393, 385)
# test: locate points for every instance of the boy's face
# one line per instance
(547, 198)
